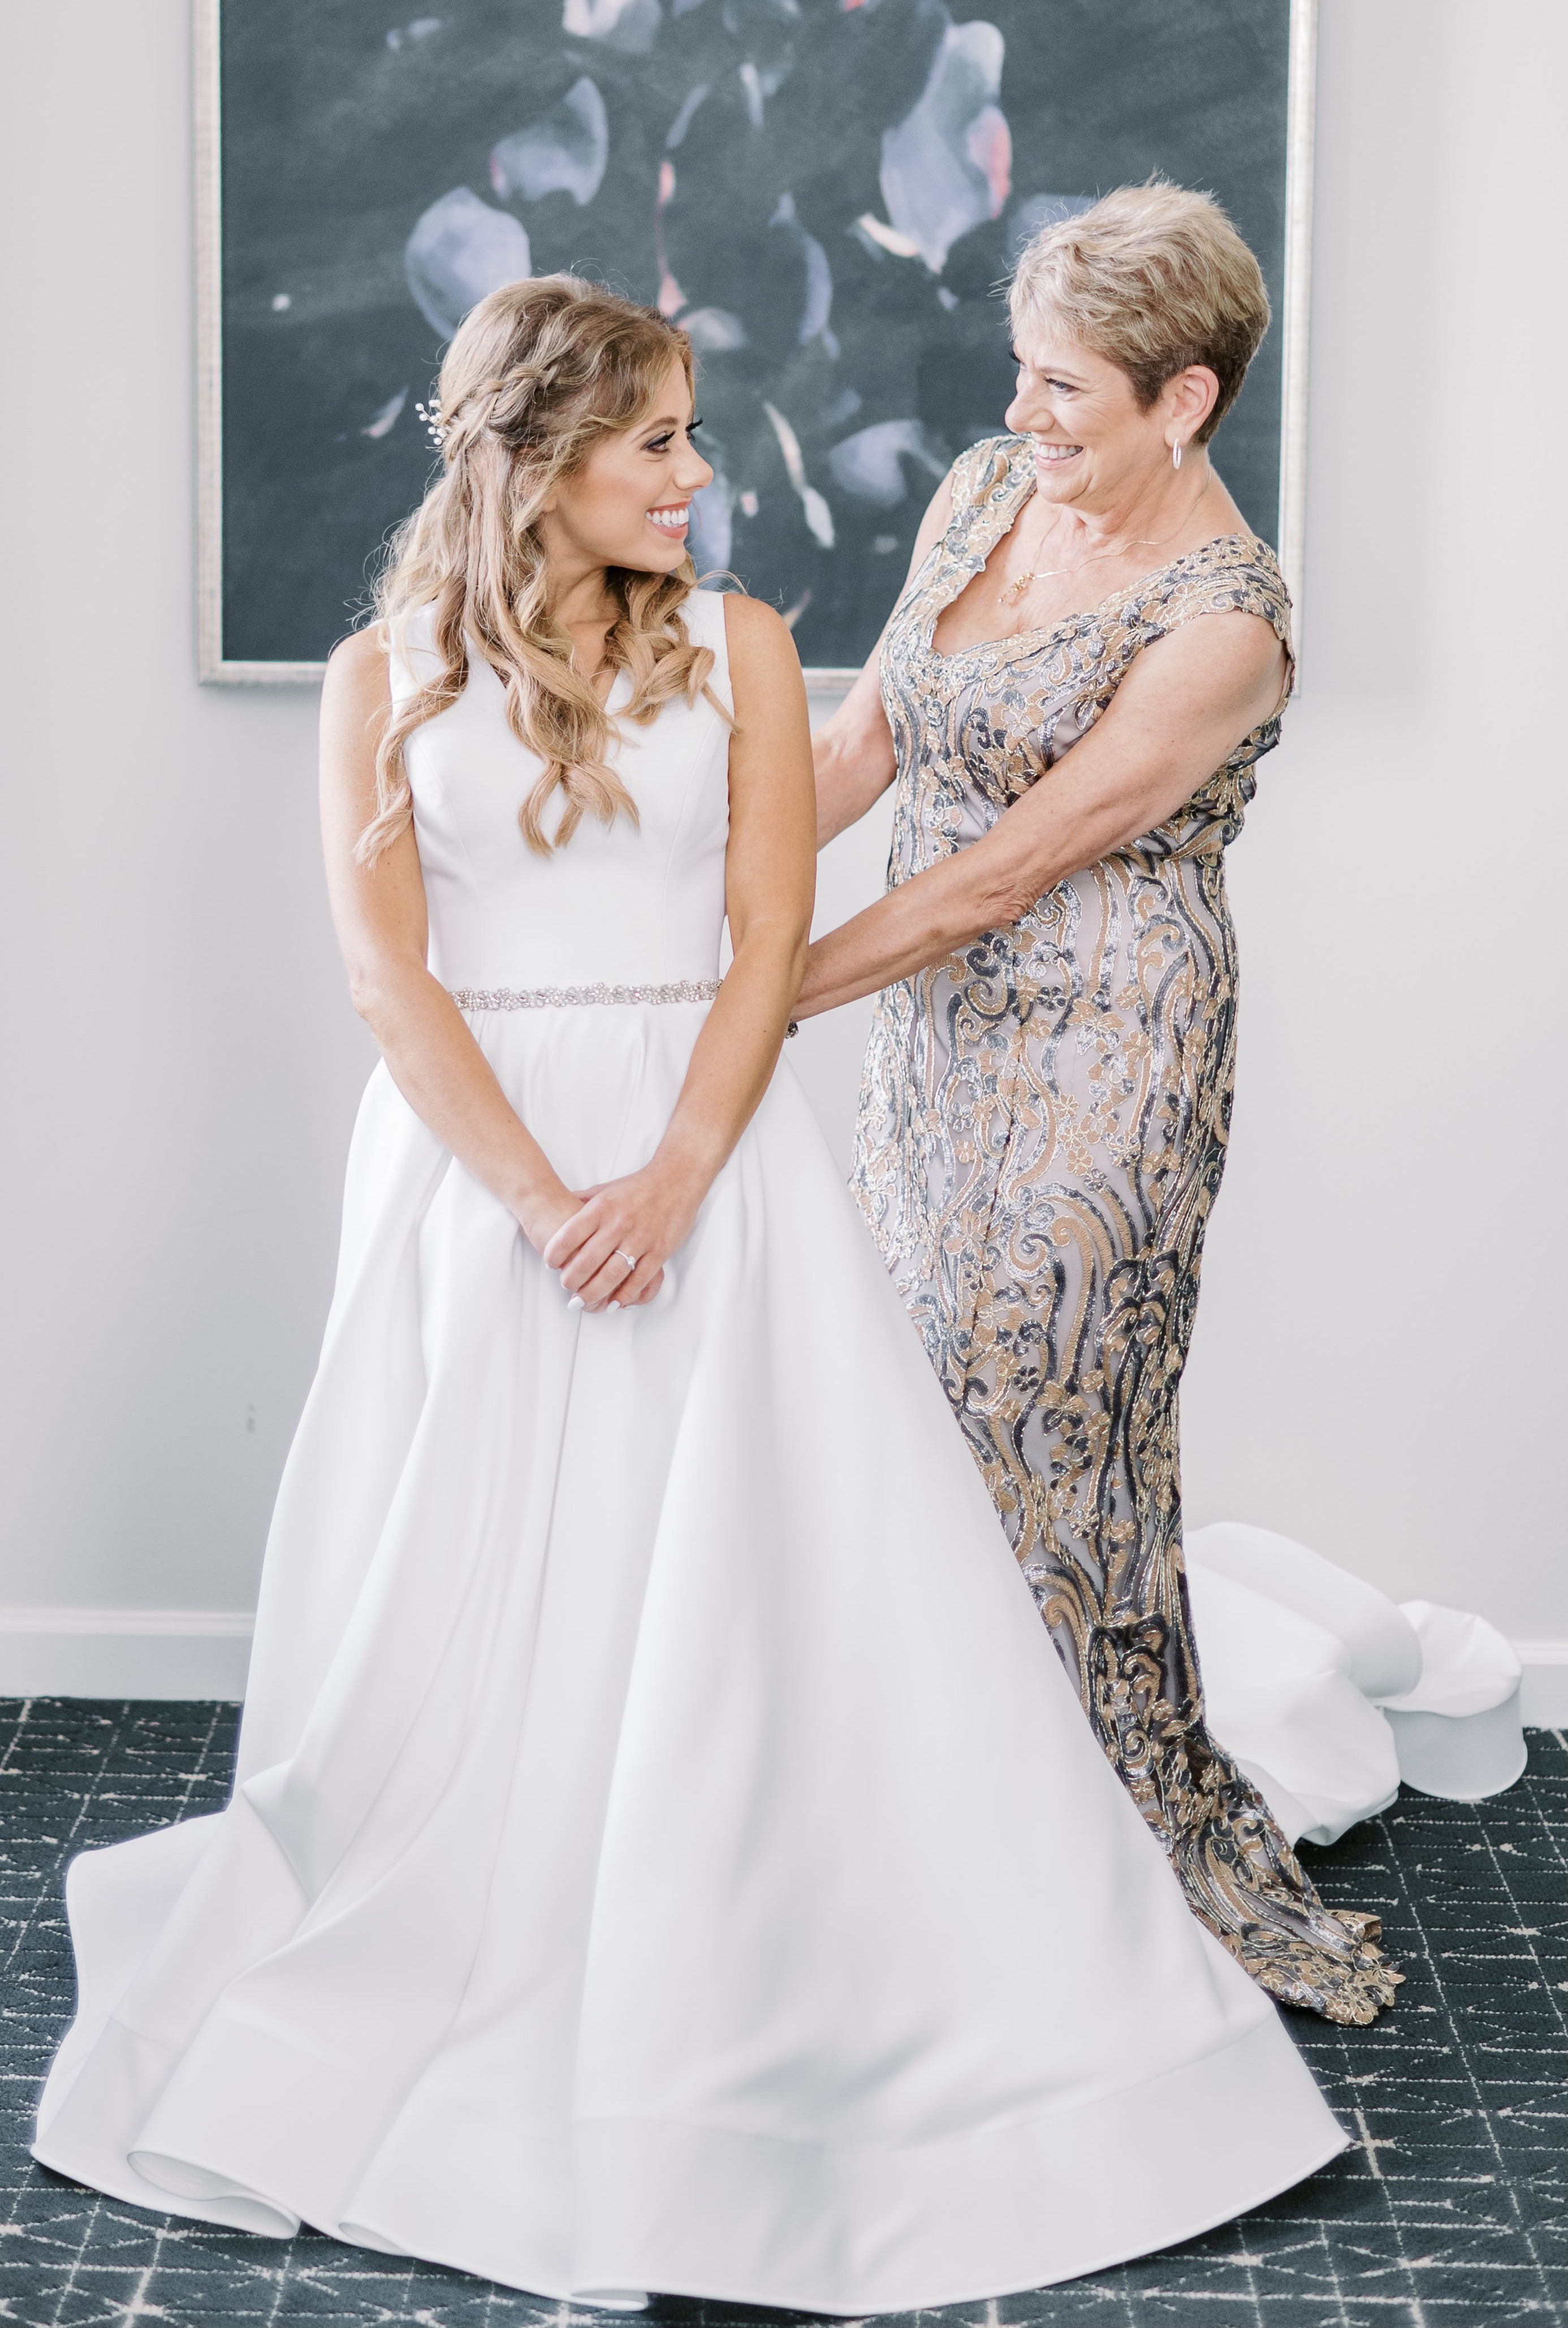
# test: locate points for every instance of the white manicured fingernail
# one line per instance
(576, 1302)
(614, 1305)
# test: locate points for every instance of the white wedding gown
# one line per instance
(666, 1852)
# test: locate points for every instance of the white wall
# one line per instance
(1377, 1364)
(1380, 1361)
(179, 1066)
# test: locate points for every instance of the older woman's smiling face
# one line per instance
(1094, 443)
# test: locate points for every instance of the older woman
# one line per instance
(1044, 1114)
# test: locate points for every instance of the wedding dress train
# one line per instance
(666, 1851)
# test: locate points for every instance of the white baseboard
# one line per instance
(1544, 1696)
(204, 1653)
(124, 1652)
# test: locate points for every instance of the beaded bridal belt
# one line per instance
(554, 998)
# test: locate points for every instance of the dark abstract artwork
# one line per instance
(827, 194)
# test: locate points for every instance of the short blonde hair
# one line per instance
(1154, 278)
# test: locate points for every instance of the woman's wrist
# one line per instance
(539, 1206)
(830, 977)
(686, 1170)
(813, 985)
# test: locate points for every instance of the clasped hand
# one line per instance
(642, 1218)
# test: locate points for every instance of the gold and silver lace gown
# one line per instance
(1042, 1131)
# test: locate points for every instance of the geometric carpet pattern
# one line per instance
(1451, 2212)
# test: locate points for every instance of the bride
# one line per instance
(666, 1852)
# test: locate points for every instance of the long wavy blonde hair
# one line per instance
(537, 375)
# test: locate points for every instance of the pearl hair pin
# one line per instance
(430, 414)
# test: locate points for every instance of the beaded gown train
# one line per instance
(666, 1854)
(1042, 1131)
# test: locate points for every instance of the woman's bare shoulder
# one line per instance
(751, 621)
(758, 640)
(357, 665)
(356, 693)
(766, 684)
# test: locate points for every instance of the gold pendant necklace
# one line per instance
(1014, 590)
(1031, 574)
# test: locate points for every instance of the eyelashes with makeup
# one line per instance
(1064, 386)
(662, 444)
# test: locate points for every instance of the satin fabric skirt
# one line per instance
(666, 1852)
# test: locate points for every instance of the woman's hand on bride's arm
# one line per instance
(378, 911)
(1184, 706)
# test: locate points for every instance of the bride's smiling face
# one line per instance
(630, 503)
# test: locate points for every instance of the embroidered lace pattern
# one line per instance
(1042, 1131)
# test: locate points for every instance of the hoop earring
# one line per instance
(1176, 455)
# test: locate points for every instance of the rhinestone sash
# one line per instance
(554, 998)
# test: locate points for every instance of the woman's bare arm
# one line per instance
(1183, 707)
(769, 886)
(853, 750)
(380, 914)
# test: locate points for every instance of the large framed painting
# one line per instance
(827, 194)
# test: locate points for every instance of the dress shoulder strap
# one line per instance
(986, 485)
(1233, 574)
(1237, 573)
(412, 661)
(702, 612)
(982, 466)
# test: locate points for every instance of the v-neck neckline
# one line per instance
(1029, 641)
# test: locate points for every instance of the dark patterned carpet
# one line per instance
(1452, 2210)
